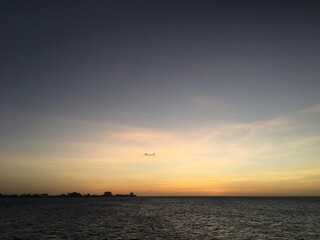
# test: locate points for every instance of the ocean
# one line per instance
(160, 218)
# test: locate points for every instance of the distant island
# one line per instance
(70, 194)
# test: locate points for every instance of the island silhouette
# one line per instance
(70, 194)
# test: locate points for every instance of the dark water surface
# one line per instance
(160, 218)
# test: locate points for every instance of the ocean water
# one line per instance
(160, 218)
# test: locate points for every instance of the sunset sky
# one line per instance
(225, 93)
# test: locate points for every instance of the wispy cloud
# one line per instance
(312, 109)
(212, 158)
(305, 141)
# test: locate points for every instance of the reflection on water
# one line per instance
(160, 218)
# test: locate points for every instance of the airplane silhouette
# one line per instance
(149, 154)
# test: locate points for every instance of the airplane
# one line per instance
(149, 154)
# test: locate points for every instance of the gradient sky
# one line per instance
(225, 93)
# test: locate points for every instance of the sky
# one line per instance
(225, 93)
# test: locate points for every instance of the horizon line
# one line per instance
(168, 196)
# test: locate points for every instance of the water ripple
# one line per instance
(160, 218)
